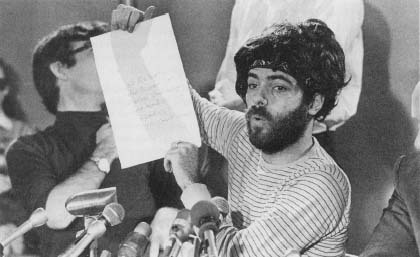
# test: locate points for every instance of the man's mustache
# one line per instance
(258, 110)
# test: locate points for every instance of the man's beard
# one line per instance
(280, 132)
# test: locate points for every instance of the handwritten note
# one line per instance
(145, 90)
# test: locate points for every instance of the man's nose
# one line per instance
(260, 97)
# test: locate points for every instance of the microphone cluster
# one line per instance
(99, 209)
(180, 231)
(112, 215)
(196, 227)
(100, 205)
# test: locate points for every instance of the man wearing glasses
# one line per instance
(77, 153)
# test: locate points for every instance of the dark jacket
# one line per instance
(398, 231)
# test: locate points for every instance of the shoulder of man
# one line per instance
(329, 171)
(39, 142)
(407, 172)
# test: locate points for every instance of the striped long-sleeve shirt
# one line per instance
(303, 205)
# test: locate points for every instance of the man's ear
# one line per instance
(316, 105)
(59, 70)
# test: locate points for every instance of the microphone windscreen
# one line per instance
(113, 213)
(221, 204)
(106, 253)
(91, 202)
(203, 210)
(38, 217)
(144, 229)
(182, 220)
(181, 226)
(136, 243)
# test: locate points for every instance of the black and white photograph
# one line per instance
(210, 128)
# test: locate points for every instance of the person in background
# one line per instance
(345, 18)
(12, 126)
(398, 230)
(77, 153)
(286, 194)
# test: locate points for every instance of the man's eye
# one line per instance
(252, 86)
(279, 88)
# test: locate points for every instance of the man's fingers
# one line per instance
(115, 3)
(178, 150)
(167, 164)
(135, 16)
(149, 12)
(168, 159)
(117, 17)
(184, 147)
(121, 16)
(114, 24)
(124, 17)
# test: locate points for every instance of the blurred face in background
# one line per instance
(83, 75)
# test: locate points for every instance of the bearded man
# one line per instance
(286, 194)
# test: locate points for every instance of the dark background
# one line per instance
(367, 145)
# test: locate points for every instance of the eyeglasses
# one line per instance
(85, 46)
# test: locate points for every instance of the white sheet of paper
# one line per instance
(145, 90)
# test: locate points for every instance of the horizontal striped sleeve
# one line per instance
(218, 126)
(305, 211)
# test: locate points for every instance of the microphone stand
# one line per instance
(95, 230)
(209, 245)
(196, 244)
(93, 247)
(209, 226)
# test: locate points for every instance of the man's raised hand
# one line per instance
(126, 17)
(182, 160)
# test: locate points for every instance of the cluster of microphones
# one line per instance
(196, 227)
(99, 208)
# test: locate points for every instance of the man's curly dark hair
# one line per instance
(57, 47)
(308, 51)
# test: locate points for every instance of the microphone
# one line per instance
(37, 219)
(205, 215)
(222, 205)
(136, 242)
(91, 202)
(112, 215)
(106, 253)
(180, 230)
